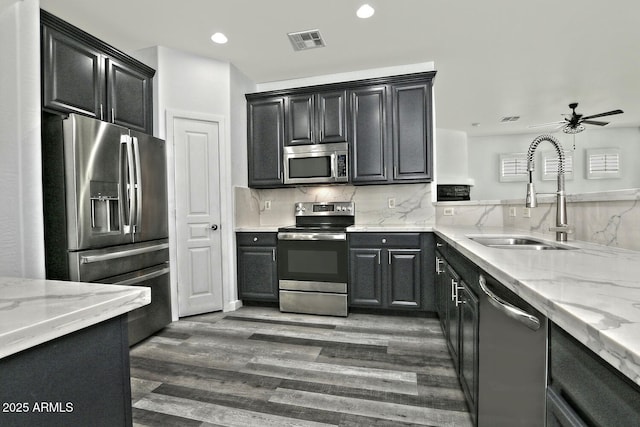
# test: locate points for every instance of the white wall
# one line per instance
(21, 227)
(240, 85)
(484, 154)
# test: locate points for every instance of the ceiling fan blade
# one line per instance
(608, 113)
(548, 124)
(594, 122)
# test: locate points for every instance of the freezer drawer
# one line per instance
(149, 319)
(93, 265)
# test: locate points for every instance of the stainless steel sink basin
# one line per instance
(517, 242)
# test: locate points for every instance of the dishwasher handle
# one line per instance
(530, 321)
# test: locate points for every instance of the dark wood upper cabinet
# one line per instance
(73, 74)
(265, 135)
(128, 94)
(83, 75)
(387, 121)
(412, 132)
(369, 134)
(317, 118)
(300, 115)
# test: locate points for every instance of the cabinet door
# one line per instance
(412, 158)
(365, 278)
(129, 100)
(369, 134)
(469, 346)
(404, 278)
(72, 75)
(265, 141)
(300, 115)
(331, 117)
(257, 273)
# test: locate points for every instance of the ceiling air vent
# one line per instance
(508, 119)
(304, 40)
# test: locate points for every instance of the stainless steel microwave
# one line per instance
(316, 164)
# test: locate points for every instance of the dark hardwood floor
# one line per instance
(259, 367)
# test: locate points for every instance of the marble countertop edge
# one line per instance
(24, 336)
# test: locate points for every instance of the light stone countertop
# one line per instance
(592, 291)
(34, 311)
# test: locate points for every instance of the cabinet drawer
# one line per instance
(256, 239)
(403, 240)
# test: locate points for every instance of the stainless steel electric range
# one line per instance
(313, 259)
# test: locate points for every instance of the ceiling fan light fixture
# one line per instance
(365, 11)
(573, 129)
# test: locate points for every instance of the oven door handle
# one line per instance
(301, 235)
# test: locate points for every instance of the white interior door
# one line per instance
(197, 197)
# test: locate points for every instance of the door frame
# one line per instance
(227, 223)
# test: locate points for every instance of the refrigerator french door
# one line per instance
(105, 207)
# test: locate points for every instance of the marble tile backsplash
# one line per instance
(413, 204)
(609, 218)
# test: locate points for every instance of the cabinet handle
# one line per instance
(395, 171)
(509, 310)
(273, 255)
(438, 245)
(389, 252)
(439, 262)
(454, 286)
(379, 255)
(458, 299)
(113, 115)
(255, 239)
(101, 113)
(384, 240)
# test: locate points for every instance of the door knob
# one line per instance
(214, 227)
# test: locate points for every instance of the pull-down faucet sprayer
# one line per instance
(561, 228)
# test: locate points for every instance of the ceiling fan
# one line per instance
(574, 122)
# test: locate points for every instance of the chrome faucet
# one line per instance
(561, 228)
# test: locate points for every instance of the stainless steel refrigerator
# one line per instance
(105, 211)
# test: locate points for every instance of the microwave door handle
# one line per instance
(334, 166)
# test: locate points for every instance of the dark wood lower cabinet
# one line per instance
(257, 267)
(79, 379)
(384, 273)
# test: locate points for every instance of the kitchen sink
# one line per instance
(517, 242)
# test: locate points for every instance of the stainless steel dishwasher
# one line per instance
(512, 359)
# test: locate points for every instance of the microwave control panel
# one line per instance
(342, 165)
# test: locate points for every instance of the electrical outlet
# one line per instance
(526, 212)
(513, 211)
(392, 203)
(267, 205)
(449, 212)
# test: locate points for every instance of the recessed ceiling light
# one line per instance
(219, 38)
(365, 11)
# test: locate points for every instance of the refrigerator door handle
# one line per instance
(128, 177)
(143, 278)
(137, 186)
(88, 259)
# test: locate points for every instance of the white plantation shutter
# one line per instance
(603, 163)
(513, 167)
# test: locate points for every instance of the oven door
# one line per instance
(312, 257)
